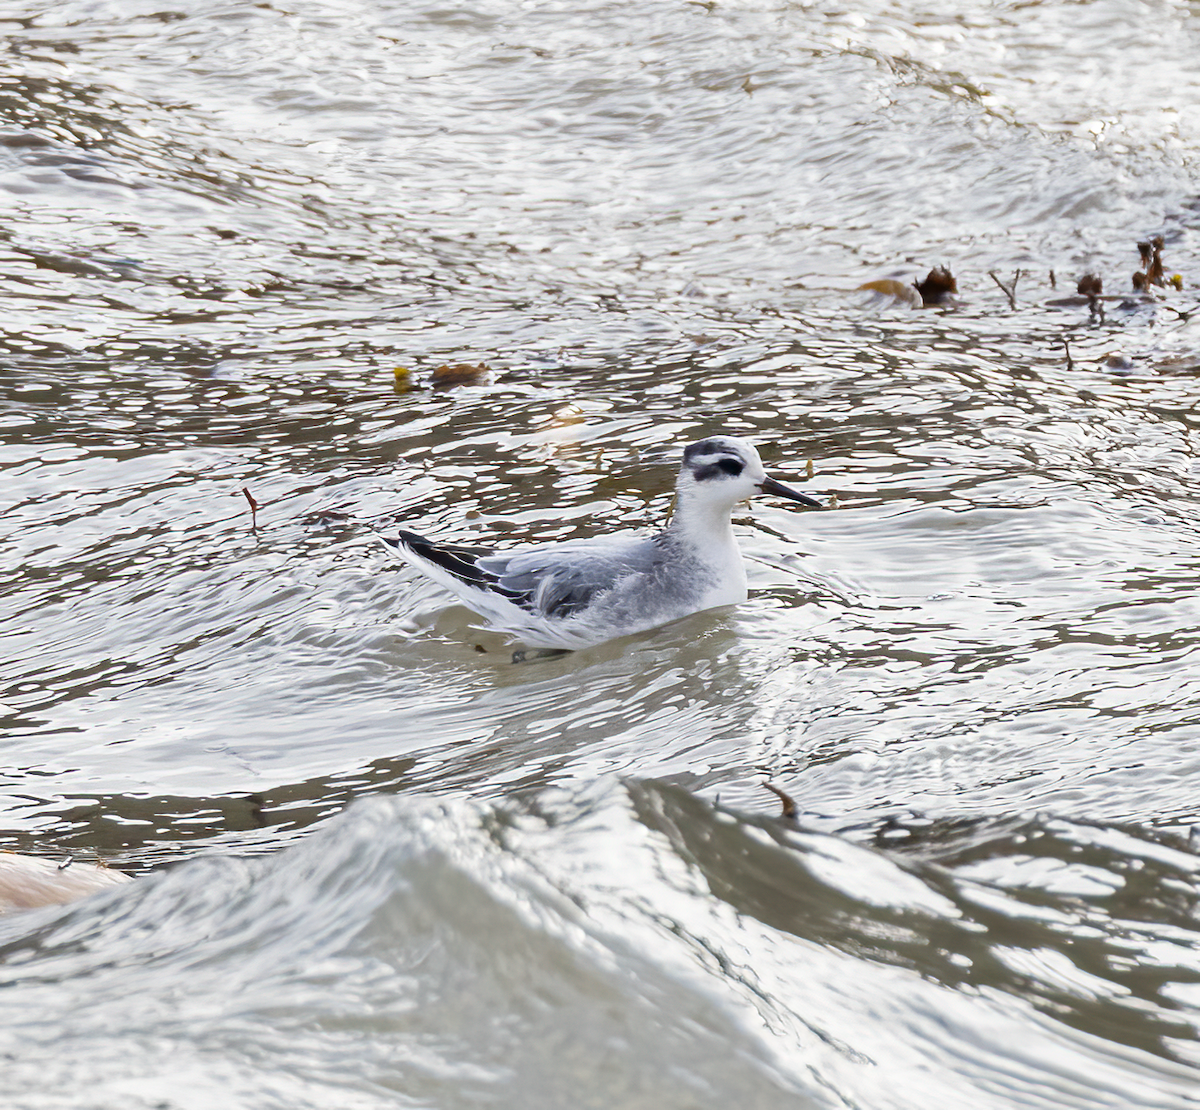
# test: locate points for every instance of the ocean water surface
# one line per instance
(379, 864)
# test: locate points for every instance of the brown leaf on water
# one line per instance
(938, 287)
(898, 290)
(462, 373)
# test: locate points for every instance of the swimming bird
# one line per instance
(578, 593)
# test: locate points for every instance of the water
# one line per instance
(564, 882)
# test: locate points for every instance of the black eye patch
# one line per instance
(718, 469)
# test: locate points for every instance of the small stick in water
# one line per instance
(789, 807)
(253, 509)
(1010, 291)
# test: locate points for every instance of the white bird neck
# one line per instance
(704, 525)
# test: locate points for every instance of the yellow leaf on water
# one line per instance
(897, 290)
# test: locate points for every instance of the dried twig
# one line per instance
(789, 807)
(1010, 291)
(253, 509)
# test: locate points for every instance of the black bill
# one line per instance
(769, 485)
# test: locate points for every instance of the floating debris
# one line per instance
(451, 377)
(1154, 275)
(899, 291)
(1153, 272)
(789, 807)
(1009, 290)
(1091, 287)
(1147, 254)
(253, 509)
(446, 376)
(938, 288)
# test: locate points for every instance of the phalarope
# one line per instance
(581, 592)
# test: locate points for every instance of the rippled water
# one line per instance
(227, 227)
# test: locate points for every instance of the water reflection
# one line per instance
(1091, 924)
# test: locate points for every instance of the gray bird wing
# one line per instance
(558, 580)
